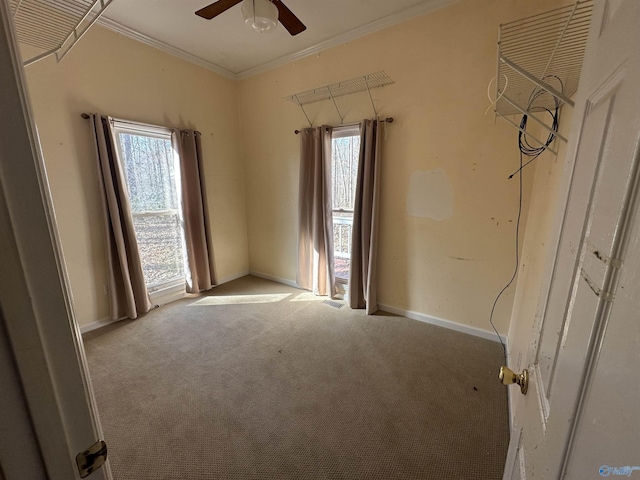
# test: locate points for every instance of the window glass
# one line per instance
(345, 145)
(152, 182)
(344, 171)
(149, 170)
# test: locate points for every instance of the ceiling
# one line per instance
(229, 47)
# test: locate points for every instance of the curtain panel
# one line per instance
(128, 293)
(315, 238)
(363, 272)
(200, 270)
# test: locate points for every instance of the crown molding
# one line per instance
(389, 21)
(165, 47)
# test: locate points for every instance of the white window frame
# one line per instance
(162, 293)
(343, 132)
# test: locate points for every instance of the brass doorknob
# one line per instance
(508, 376)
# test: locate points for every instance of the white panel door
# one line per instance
(584, 352)
(35, 302)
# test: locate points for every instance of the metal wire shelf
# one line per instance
(54, 26)
(346, 87)
(541, 52)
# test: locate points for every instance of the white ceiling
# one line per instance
(228, 46)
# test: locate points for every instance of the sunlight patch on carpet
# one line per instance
(240, 299)
(307, 297)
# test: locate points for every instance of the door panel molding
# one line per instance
(594, 352)
(626, 223)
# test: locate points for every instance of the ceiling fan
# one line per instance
(263, 15)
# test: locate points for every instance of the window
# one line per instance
(345, 150)
(152, 176)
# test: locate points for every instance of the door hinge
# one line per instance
(92, 458)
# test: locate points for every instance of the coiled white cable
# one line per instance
(500, 94)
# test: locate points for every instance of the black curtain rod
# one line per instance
(387, 120)
(86, 116)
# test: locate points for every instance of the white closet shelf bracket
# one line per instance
(346, 87)
(54, 27)
(365, 83)
(541, 53)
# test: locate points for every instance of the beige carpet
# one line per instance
(262, 381)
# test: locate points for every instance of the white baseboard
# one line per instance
(98, 324)
(440, 322)
(459, 327)
(158, 299)
(284, 281)
(233, 277)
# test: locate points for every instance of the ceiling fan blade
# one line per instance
(216, 8)
(287, 18)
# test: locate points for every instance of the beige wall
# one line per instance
(449, 268)
(441, 63)
(113, 75)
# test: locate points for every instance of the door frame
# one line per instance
(43, 340)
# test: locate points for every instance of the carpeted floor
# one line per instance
(258, 380)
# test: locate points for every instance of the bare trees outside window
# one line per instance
(152, 183)
(345, 145)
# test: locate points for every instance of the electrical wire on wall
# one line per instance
(532, 152)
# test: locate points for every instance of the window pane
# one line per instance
(344, 174)
(342, 228)
(160, 246)
(149, 170)
(344, 171)
(151, 179)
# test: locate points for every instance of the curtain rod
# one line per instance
(386, 120)
(86, 116)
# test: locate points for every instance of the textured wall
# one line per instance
(445, 259)
(449, 268)
(113, 75)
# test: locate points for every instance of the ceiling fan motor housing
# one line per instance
(262, 15)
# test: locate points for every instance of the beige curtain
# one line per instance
(200, 271)
(363, 272)
(128, 292)
(315, 238)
